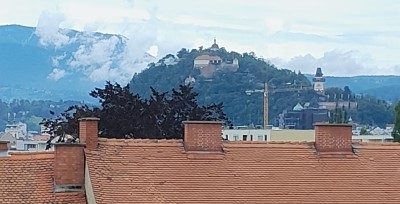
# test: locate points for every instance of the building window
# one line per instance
(235, 137)
(388, 140)
(30, 146)
(226, 137)
(244, 137)
(260, 138)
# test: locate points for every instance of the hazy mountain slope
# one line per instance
(391, 92)
(67, 61)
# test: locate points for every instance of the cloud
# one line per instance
(333, 63)
(91, 27)
(48, 30)
(170, 61)
(56, 74)
(96, 53)
(130, 3)
(110, 58)
(118, 58)
(100, 57)
(55, 60)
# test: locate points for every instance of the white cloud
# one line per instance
(274, 24)
(100, 58)
(55, 60)
(333, 63)
(96, 53)
(153, 50)
(48, 30)
(56, 74)
(114, 58)
(170, 61)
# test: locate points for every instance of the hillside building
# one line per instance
(16, 129)
(301, 118)
(209, 62)
(340, 101)
(348, 105)
(202, 61)
(8, 137)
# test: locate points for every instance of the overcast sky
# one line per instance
(344, 37)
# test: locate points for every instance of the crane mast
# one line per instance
(265, 105)
(266, 93)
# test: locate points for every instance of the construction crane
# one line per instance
(266, 91)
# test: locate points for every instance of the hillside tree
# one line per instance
(396, 129)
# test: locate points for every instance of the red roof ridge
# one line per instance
(202, 57)
(290, 145)
(140, 142)
(236, 144)
(378, 145)
(30, 155)
(267, 142)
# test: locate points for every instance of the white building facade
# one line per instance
(289, 135)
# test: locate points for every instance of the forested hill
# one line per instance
(226, 84)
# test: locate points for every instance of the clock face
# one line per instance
(318, 86)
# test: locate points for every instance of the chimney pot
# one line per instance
(69, 165)
(89, 132)
(4, 146)
(203, 136)
(333, 138)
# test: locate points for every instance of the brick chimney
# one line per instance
(4, 146)
(89, 132)
(69, 167)
(333, 138)
(203, 136)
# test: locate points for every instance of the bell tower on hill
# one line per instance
(318, 81)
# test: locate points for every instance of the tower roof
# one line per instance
(298, 107)
(318, 73)
(215, 45)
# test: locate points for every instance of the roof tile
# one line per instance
(28, 178)
(150, 172)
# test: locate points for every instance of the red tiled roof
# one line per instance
(159, 171)
(203, 57)
(28, 178)
(41, 138)
(215, 58)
